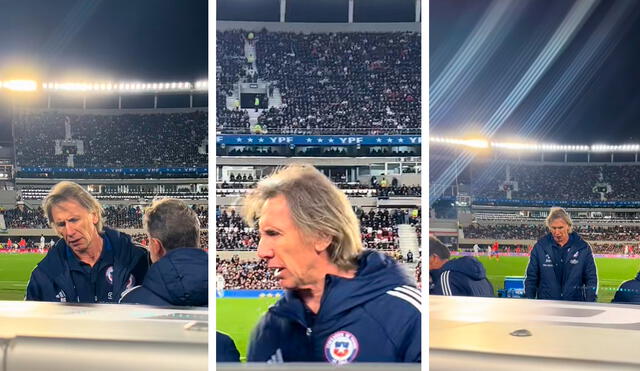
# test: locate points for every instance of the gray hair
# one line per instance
(559, 213)
(172, 222)
(70, 191)
(317, 207)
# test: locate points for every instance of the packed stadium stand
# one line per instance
(324, 83)
(156, 139)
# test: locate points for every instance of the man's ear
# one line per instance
(322, 243)
(156, 248)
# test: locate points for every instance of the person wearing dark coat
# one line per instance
(464, 276)
(561, 265)
(89, 263)
(628, 292)
(178, 275)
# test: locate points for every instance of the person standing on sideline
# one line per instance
(561, 265)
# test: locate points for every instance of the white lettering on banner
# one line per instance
(281, 139)
(350, 140)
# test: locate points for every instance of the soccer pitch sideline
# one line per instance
(15, 270)
(237, 317)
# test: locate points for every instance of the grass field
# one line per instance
(15, 270)
(611, 272)
(237, 317)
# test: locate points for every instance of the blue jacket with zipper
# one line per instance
(373, 317)
(178, 279)
(464, 276)
(553, 277)
(51, 279)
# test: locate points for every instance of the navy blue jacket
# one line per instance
(178, 279)
(373, 317)
(51, 279)
(628, 292)
(464, 276)
(226, 350)
(579, 278)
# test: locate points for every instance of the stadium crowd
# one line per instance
(157, 140)
(379, 228)
(330, 83)
(128, 217)
(536, 231)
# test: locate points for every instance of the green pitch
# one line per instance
(15, 270)
(237, 317)
(611, 272)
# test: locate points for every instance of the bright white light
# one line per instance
(20, 85)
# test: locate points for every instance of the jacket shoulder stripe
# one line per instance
(406, 298)
(413, 289)
(125, 292)
(444, 282)
(409, 292)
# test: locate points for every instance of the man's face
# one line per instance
(434, 262)
(560, 231)
(283, 245)
(75, 224)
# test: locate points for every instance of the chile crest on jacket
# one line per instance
(341, 347)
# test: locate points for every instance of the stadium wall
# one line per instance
(318, 27)
(8, 199)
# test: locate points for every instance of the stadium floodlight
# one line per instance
(20, 85)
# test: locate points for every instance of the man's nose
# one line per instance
(264, 251)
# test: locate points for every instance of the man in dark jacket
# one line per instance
(341, 304)
(89, 264)
(561, 265)
(628, 292)
(178, 275)
(464, 276)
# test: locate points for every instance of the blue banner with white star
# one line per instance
(319, 140)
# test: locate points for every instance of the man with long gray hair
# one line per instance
(561, 265)
(90, 263)
(342, 304)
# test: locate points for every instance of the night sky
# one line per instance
(588, 93)
(143, 39)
